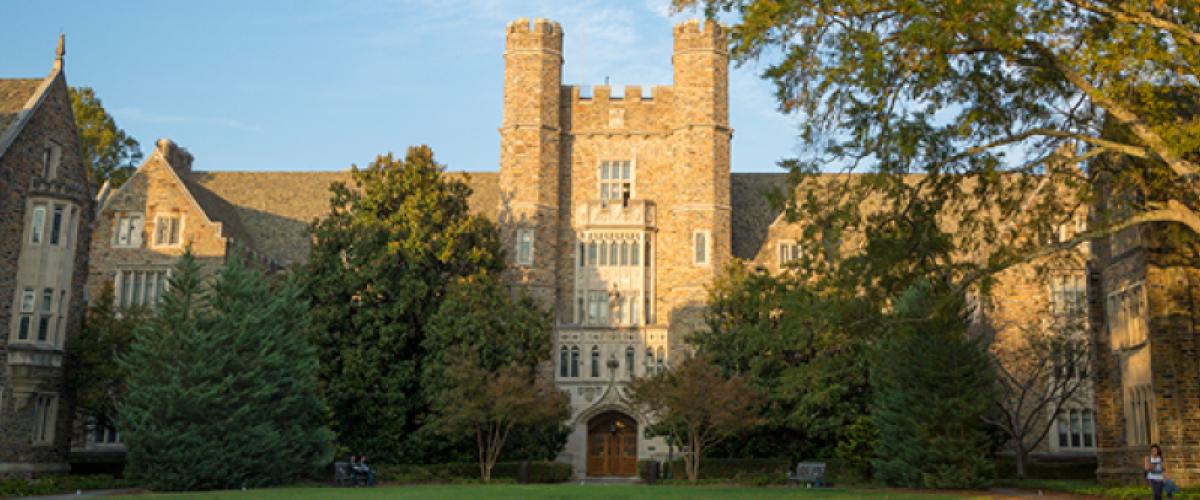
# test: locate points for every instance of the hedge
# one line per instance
(751, 471)
(1006, 467)
(539, 472)
(50, 485)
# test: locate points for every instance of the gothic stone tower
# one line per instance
(616, 213)
(1144, 294)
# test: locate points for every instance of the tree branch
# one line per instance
(1140, 17)
(1182, 167)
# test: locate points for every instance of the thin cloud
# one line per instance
(140, 115)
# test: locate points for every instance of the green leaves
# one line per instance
(108, 152)
(932, 385)
(381, 262)
(223, 388)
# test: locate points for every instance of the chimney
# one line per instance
(179, 158)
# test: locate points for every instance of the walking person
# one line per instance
(1155, 471)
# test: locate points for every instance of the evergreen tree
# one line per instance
(931, 389)
(222, 388)
(380, 264)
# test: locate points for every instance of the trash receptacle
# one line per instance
(650, 475)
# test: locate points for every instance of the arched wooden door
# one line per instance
(612, 445)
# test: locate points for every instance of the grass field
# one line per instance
(556, 491)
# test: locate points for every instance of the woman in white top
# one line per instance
(1155, 471)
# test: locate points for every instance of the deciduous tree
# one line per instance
(1040, 371)
(108, 152)
(1003, 106)
(795, 342)
(488, 404)
(696, 406)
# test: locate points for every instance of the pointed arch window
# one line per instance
(629, 360)
(575, 361)
(563, 361)
(595, 361)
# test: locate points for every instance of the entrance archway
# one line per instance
(612, 445)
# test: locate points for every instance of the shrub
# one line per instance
(750, 471)
(1085, 469)
(539, 472)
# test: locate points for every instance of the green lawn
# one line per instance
(522, 492)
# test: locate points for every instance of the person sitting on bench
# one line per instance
(363, 470)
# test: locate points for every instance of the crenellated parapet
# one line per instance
(541, 34)
(696, 35)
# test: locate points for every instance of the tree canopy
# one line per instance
(696, 406)
(801, 346)
(1004, 106)
(108, 152)
(381, 262)
(222, 385)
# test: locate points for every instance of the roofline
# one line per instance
(32, 104)
(188, 191)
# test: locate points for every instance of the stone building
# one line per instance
(1144, 308)
(45, 226)
(617, 207)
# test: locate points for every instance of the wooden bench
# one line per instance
(808, 473)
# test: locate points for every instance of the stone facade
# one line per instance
(1143, 312)
(46, 210)
(591, 177)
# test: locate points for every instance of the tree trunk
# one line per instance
(694, 465)
(1021, 457)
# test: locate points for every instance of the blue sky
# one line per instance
(308, 85)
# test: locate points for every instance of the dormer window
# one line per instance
(616, 180)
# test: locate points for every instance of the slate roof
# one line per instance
(14, 93)
(753, 210)
(271, 211)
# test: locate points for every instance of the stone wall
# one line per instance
(29, 369)
(1166, 361)
(156, 189)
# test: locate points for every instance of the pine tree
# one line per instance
(932, 386)
(223, 385)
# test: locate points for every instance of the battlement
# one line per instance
(694, 34)
(540, 26)
(632, 93)
(541, 35)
